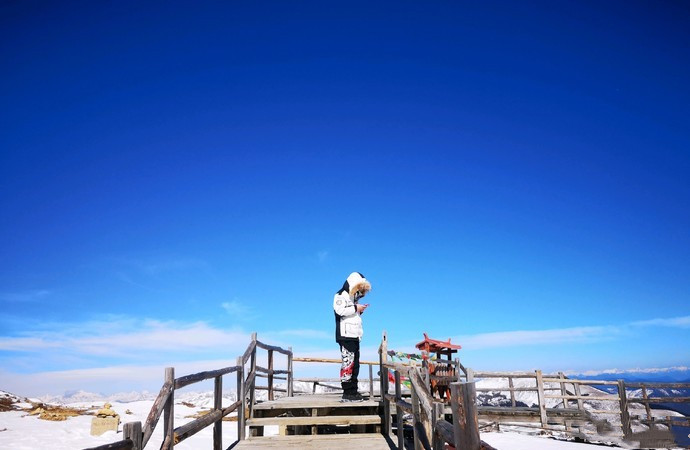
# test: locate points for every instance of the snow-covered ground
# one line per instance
(20, 431)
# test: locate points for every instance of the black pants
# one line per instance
(349, 368)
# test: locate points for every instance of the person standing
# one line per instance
(349, 331)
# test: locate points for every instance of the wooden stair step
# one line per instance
(315, 420)
(360, 441)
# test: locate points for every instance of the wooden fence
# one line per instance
(585, 415)
(325, 381)
(573, 412)
(136, 437)
(435, 421)
(431, 428)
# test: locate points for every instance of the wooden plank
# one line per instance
(313, 401)
(360, 441)
(541, 398)
(242, 398)
(625, 415)
(437, 440)
(331, 360)
(416, 416)
(465, 422)
(383, 389)
(589, 382)
(269, 371)
(132, 431)
(399, 412)
(270, 374)
(272, 348)
(169, 412)
(156, 411)
(522, 411)
(371, 381)
(610, 398)
(580, 404)
(196, 425)
(504, 375)
(564, 391)
(320, 420)
(250, 349)
(218, 406)
(445, 430)
(125, 444)
(314, 428)
(472, 440)
(659, 400)
(659, 385)
(201, 376)
(290, 387)
(252, 374)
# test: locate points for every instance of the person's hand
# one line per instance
(362, 307)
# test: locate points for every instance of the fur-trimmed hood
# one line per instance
(355, 282)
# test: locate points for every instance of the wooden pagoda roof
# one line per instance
(433, 345)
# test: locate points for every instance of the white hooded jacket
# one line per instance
(348, 323)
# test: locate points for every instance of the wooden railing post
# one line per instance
(580, 404)
(132, 430)
(416, 415)
(252, 370)
(458, 372)
(241, 396)
(564, 393)
(218, 406)
(542, 400)
(169, 412)
(371, 382)
(270, 374)
(465, 423)
(399, 412)
(512, 391)
(290, 378)
(625, 415)
(437, 442)
(648, 408)
(383, 359)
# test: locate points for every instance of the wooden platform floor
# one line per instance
(363, 441)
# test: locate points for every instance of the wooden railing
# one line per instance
(136, 437)
(573, 412)
(572, 415)
(430, 428)
(324, 381)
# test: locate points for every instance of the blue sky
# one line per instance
(173, 177)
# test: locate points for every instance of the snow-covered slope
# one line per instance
(19, 431)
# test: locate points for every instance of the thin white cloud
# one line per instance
(537, 337)
(322, 255)
(674, 322)
(22, 344)
(127, 337)
(585, 334)
(302, 333)
(105, 379)
(25, 296)
(237, 309)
